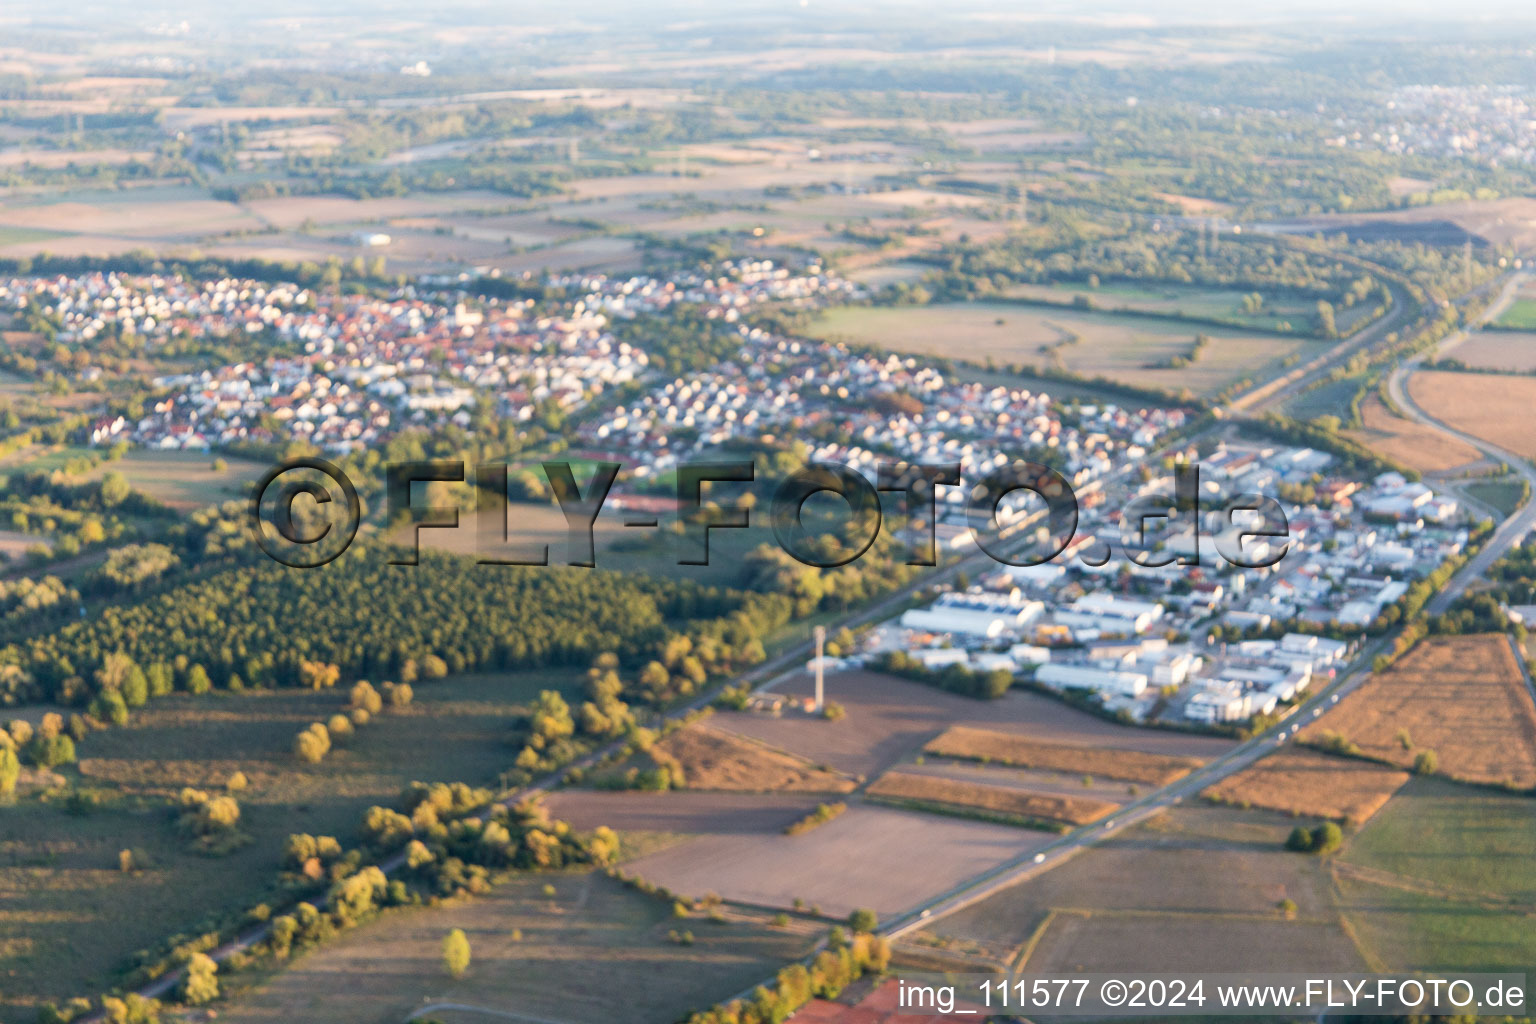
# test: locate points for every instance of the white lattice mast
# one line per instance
(821, 638)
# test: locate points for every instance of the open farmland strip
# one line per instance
(1022, 752)
(997, 799)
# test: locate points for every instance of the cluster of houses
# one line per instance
(153, 306)
(1495, 123)
(874, 408)
(367, 367)
(1210, 643)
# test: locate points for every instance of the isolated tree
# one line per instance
(200, 984)
(1300, 839)
(340, 728)
(197, 680)
(135, 688)
(863, 920)
(318, 675)
(550, 717)
(109, 706)
(10, 770)
(1326, 838)
(161, 679)
(1426, 763)
(312, 744)
(114, 489)
(366, 697)
(456, 953)
(52, 751)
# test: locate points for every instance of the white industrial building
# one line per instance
(1107, 613)
(939, 657)
(973, 614)
(1029, 654)
(1092, 677)
(1217, 705)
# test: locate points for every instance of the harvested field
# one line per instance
(680, 811)
(1408, 442)
(1131, 765)
(889, 719)
(1462, 697)
(1002, 800)
(1486, 405)
(1299, 781)
(714, 759)
(1509, 350)
(883, 858)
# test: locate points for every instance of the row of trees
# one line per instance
(846, 959)
(315, 740)
(954, 678)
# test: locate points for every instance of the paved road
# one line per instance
(1274, 393)
(1024, 867)
(769, 672)
(521, 1018)
(1516, 526)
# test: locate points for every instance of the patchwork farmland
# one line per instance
(1464, 698)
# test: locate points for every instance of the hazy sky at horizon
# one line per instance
(1389, 15)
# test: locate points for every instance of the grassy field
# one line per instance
(1004, 748)
(1461, 697)
(59, 873)
(182, 480)
(1006, 801)
(1492, 407)
(1520, 316)
(185, 480)
(1504, 495)
(1330, 398)
(1442, 879)
(596, 952)
(1306, 783)
(1126, 348)
(26, 236)
(1280, 312)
